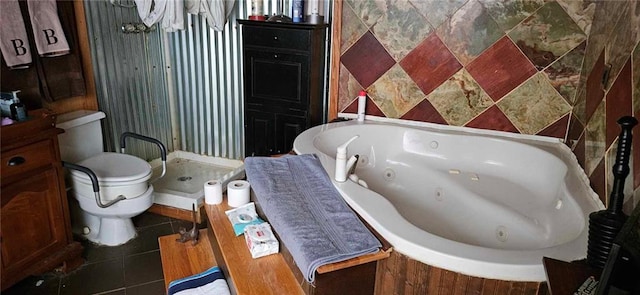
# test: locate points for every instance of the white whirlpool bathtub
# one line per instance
(482, 203)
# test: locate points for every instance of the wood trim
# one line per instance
(177, 212)
(382, 254)
(90, 100)
(400, 274)
(334, 69)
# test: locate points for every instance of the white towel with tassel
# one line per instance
(47, 30)
(13, 41)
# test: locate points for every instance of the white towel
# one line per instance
(150, 11)
(173, 19)
(169, 13)
(13, 42)
(215, 11)
(47, 30)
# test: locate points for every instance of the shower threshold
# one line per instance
(183, 183)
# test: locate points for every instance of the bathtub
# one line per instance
(482, 203)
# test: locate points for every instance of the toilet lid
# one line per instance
(115, 167)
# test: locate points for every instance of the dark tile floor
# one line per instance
(133, 268)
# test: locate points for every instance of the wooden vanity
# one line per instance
(35, 234)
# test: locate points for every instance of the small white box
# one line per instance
(260, 240)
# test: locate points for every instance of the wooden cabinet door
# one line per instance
(277, 78)
(288, 127)
(259, 133)
(32, 221)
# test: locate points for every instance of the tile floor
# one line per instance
(133, 268)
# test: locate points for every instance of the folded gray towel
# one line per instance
(307, 212)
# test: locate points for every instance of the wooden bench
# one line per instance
(180, 260)
(278, 273)
(273, 274)
(245, 275)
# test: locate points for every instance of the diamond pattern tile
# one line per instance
(595, 135)
(395, 93)
(437, 12)
(460, 99)
(594, 91)
(581, 11)
(509, 13)
(618, 103)
(564, 73)
(576, 129)
(352, 28)
(534, 105)
(493, 119)
(547, 34)
(367, 60)
(424, 112)
(558, 129)
(501, 69)
(469, 31)
(401, 28)
(348, 88)
(430, 64)
(368, 11)
(370, 109)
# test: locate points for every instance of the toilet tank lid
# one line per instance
(77, 118)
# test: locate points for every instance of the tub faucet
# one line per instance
(341, 161)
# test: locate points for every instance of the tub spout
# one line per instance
(341, 160)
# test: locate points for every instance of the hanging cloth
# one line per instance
(151, 11)
(47, 30)
(173, 18)
(14, 42)
(215, 11)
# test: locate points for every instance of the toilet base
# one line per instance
(110, 231)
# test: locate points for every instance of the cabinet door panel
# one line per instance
(287, 129)
(277, 78)
(32, 220)
(259, 133)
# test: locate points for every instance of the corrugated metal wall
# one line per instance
(207, 75)
(184, 88)
(130, 78)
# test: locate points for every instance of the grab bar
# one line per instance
(163, 150)
(94, 183)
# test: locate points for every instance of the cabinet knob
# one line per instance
(15, 161)
(275, 38)
(275, 56)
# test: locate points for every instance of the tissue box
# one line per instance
(260, 240)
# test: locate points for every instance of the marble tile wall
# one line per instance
(523, 66)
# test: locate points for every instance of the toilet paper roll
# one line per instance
(213, 192)
(238, 193)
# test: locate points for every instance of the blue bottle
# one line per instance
(297, 11)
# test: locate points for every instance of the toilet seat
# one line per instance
(115, 168)
(118, 174)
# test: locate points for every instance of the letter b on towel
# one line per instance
(50, 36)
(18, 46)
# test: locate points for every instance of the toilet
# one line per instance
(117, 174)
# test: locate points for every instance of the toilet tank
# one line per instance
(82, 137)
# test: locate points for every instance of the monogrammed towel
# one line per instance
(47, 30)
(13, 41)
